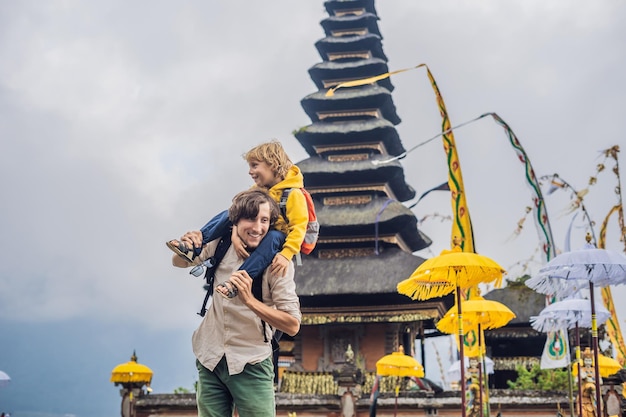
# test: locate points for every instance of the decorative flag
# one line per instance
(554, 355)
(539, 206)
(555, 351)
(440, 187)
(612, 324)
(461, 225)
(471, 343)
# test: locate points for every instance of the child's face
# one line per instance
(262, 174)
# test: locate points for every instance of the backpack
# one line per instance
(312, 227)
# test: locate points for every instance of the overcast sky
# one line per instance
(122, 125)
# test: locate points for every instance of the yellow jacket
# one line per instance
(294, 226)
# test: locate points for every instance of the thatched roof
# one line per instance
(523, 301)
(366, 97)
(350, 132)
(367, 20)
(333, 5)
(369, 42)
(350, 70)
(319, 172)
(375, 275)
(366, 214)
(391, 218)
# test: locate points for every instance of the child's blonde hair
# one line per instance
(273, 154)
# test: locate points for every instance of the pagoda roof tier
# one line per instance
(333, 48)
(348, 24)
(377, 135)
(366, 275)
(379, 222)
(340, 7)
(328, 74)
(370, 99)
(321, 173)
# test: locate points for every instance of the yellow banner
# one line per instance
(612, 324)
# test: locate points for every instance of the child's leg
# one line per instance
(216, 227)
(256, 264)
(263, 255)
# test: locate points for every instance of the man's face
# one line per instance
(252, 231)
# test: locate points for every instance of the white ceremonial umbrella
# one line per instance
(599, 268)
(4, 379)
(570, 313)
(572, 271)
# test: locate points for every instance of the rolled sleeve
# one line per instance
(281, 293)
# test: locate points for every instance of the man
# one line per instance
(233, 342)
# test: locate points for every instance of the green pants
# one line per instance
(251, 391)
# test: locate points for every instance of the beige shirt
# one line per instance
(230, 328)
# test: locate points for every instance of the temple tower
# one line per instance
(347, 286)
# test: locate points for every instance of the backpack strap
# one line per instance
(257, 284)
(283, 203)
(257, 291)
(283, 210)
(212, 263)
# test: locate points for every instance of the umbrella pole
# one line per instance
(580, 381)
(571, 390)
(485, 374)
(569, 376)
(395, 407)
(461, 350)
(480, 372)
(594, 342)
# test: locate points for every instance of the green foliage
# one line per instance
(182, 390)
(299, 130)
(536, 378)
(518, 282)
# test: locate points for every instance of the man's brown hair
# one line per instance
(246, 206)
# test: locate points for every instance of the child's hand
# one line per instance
(279, 265)
(238, 244)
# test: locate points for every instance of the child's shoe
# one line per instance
(227, 290)
(181, 250)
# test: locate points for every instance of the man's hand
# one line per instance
(192, 239)
(238, 244)
(243, 282)
(276, 318)
(279, 265)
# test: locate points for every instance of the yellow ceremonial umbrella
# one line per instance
(399, 365)
(451, 271)
(478, 314)
(131, 372)
(477, 311)
(607, 366)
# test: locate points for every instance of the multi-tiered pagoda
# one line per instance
(347, 286)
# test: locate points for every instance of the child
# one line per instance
(270, 168)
